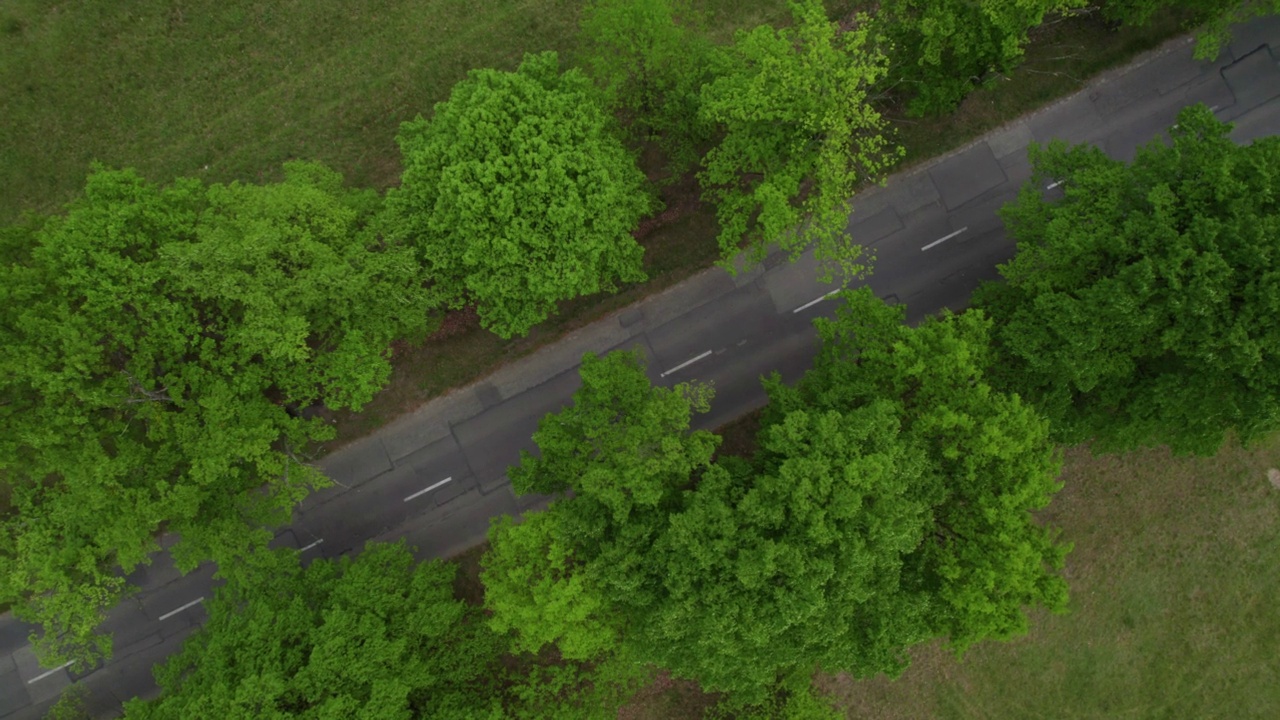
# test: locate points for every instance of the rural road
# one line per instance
(436, 476)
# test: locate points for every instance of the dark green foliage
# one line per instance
(651, 64)
(942, 49)
(1141, 308)
(379, 636)
(1214, 17)
(889, 504)
(517, 194)
(155, 346)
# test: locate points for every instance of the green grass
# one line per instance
(1174, 612)
(230, 89)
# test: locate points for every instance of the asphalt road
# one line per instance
(436, 477)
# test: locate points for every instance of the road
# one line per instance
(437, 476)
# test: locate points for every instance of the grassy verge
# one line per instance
(1173, 605)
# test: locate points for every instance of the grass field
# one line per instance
(229, 89)
(1174, 613)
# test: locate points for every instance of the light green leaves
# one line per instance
(155, 371)
(517, 195)
(799, 135)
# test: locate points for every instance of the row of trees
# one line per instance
(890, 500)
(159, 345)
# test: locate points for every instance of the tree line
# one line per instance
(890, 500)
(160, 344)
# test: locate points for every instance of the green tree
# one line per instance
(651, 65)
(798, 135)
(624, 450)
(379, 637)
(158, 346)
(889, 503)
(941, 49)
(518, 194)
(1140, 308)
(1214, 17)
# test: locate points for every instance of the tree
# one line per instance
(798, 135)
(517, 195)
(379, 636)
(159, 344)
(651, 68)
(889, 503)
(1215, 17)
(624, 450)
(941, 49)
(1139, 309)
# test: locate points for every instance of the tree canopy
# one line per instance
(651, 62)
(378, 637)
(941, 49)
(518, 193)
(158, 344)
(797, 136)
(889, 503)
(1140, 308)
(1214, 17)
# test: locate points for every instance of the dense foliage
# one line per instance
(380, 636)
(1141, 308)
(1213, 16)
(889, 504)
(941, 49)
(155, 348)
(797, 135)
(651, 61)
(517, 194)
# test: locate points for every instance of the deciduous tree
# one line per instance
(1214, 17)
(1140, 308)
(941, 49)
(379, 637)
(159, 344)
(517, 194)
(798, 135)
(889, 503)
(651, 61)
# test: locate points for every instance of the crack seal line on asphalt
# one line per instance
(171, 613)
(429, 489)
(944, 238)
(811, 303)
(44, 675)
(685, 364)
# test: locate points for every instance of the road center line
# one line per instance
(429, 489)
(941, 240)
(685, 364)
(311, 545)
(171, 613)
(44, 675)
(811, 303)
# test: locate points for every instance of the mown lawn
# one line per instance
(1175, 605)
(230, 89)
